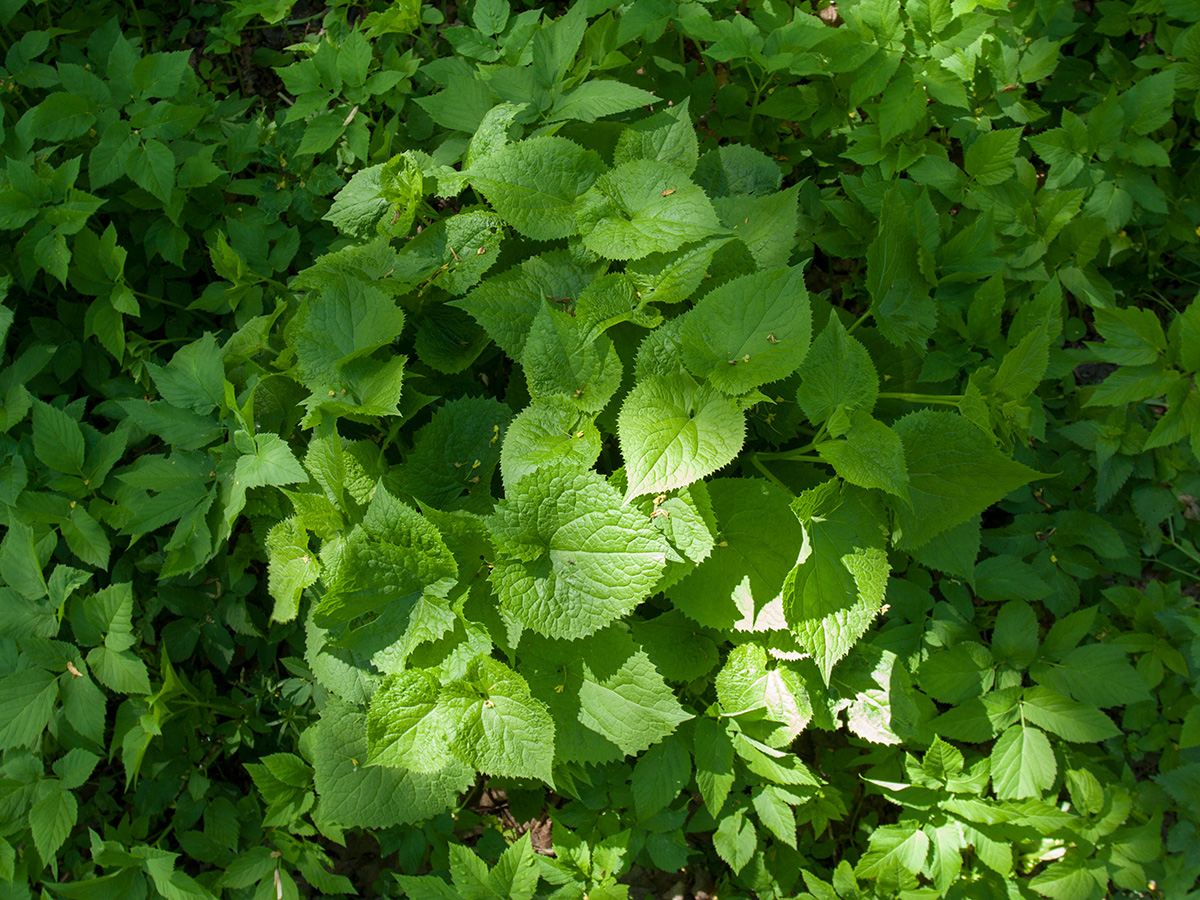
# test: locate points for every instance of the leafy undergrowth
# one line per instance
(659, 448)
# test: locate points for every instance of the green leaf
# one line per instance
(1023, 367)
(714, 763)
(895, 855)
(548, 434)
(533, 184)
(152, 166)
(607, 698)
(990, 159)
(1148, 103)
(1022, 763)
(360, 207)
(641, 207)
(119, 670)
(1073, 878)
(63, 117)
(343, 323)
(775, 812)
(194, 378)
(1132, 337)
(871, 455)
(837, 374)
(490, 16)
(766, 225)
(733, 169)
(269, 461)
(57, 439)
(51, 817)
(26, 702)
(161, 74)
(744, 572)
(747, 689)
(659, 775)
(673, 432)
(456, 452)
(562, 362)
(673, 277)
(291, 567)
(19, 565)
(498, 727)
(355, 794)
(835, 591)
(980, 719)
(392, 558)
(667, 136)
(1187, 340)
(430, 258)
(406, 726)
(1015, 635)
(901, 107)
(555, 45)
(1079, 723)
(86, 538)
(570, 558)
(749, 331)
(954, 473)
(506, 304)
(1096, 674)
(958, 674)
(735, 839)
(593, 100)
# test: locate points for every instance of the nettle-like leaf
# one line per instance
(748, 690)
(667, 136)
(534, 184)
(832, 595)
(674, 431)
(506, 304)
(392, 558)
(607, 698)
(548, 434)
(570, 558)
(354, 793)
(954, 473)
(837, 375)
(497, 726)
(749, 331)
(561, 361)
(641, 207)
(744, 572)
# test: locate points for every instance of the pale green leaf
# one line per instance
(533, 184)
(870, 455)
(837, 588)
(1079, 723)
(673, 432)
(642, 207)
(667, 136)
(499, 728)
(355, 794)
(571, 558)
(749, 331)
(745, 572)
(1022, 763)
(548, 434)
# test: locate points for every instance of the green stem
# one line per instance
(758, 465)
(137, 17)
(944, 400)
(157, 299)
(1167, 565)
(798, 453)
(858, 322)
